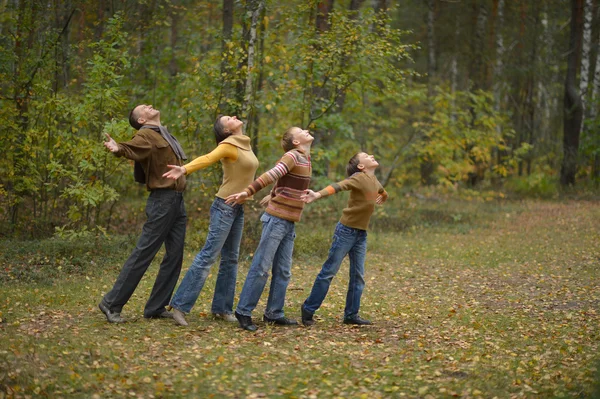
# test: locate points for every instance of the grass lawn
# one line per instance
(506, 304)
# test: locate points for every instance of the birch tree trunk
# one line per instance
(228, 13)
(543, 99)
(426, 166)
(593, 99)
(585, 55)
(255, 120)
(253, 8)
(573, 113)
(499, 65)
(596, 80)
(477, 66)
(454, 61)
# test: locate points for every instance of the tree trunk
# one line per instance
(322, 22)
(255, 121)
(585, 55)
(341, 99)
(426, 166)
(573, 112)
(477, 73)
(379, 6)
(228, 12)
(175, 18)
(497, 79)
(254, 8)
(593, 99)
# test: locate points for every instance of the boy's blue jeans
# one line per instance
(346, 240)
(224, 236)
(274, 253)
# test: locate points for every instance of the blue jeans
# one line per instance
(224, 236)
(274, 253)
(346, 240)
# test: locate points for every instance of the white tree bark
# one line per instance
(253, 10)
(499, 67)
(596, 81)
(431, 61)
(585, 53)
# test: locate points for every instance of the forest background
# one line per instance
(482, 265)
(479, 99)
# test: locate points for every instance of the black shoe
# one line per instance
(282, 321)
(246, 322)
(111, 317)
(357, 320)
(165, 314)
(307, 317)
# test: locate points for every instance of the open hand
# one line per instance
(238, 198)
(310, 196)
(265, 200)
(175, 173)
(111, 144)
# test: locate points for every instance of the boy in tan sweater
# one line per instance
(350, 236)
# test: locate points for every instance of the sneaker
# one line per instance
(245, 322)
(307, 317)
(357, 320)
(225, 316)
(165, 314)
(111, 317)
(282, 321)
(179, 317)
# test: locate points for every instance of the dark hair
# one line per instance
(353, 163)
(133, 120)
(287, 141)
(219, 129)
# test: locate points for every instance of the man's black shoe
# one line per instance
(357, 320)
(165, 314)
(307, 317)
(245, 322)
(111, 317)
(282, 321)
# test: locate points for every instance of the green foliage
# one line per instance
(535, 185)
(462, 134)
(50, 260)
(61, 167)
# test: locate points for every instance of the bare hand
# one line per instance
(175, 173)
(111, 144)
(238, 198)
(310, 196)
(380, 199)
(265, 200)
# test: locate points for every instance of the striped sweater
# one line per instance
(292, 174)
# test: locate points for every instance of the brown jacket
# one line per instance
(153, 153)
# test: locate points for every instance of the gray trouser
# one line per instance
(166, 222)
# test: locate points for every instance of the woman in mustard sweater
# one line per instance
(226, 221)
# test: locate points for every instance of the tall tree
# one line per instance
(573, 111)
(427, 166)
(226, 32)
(584, 76)
(253, 9)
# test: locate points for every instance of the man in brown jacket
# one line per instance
(152, 149)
